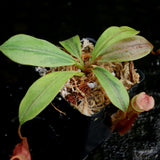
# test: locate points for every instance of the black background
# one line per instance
(59, 20)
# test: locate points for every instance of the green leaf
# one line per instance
(25, 49)
(110, 36)
(113, 87)
(42, 92)
(128, 49)
(73, 46)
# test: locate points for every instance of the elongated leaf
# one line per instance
(73, 46)
(42, 92)
(25, 49)
(128, 49)
(113, 87)
(110, 36)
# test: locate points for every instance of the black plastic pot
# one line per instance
(95, 129)
(133, 91)
(83, 133)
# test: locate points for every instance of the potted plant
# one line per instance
(88, 77)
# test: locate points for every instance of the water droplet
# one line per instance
(7, 86)
(20, 88)
(157, 63)
(59, 98)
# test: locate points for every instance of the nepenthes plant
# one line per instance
(115, 45)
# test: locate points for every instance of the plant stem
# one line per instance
(19, 132)
(80, 65)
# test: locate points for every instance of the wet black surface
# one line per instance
(59, 20)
